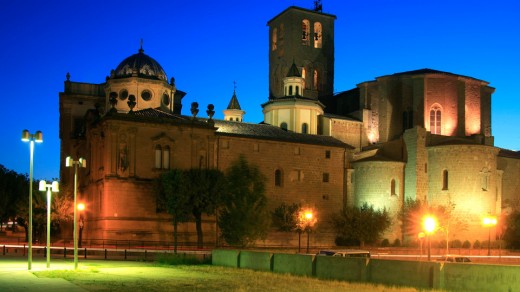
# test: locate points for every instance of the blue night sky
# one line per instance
(206, 45)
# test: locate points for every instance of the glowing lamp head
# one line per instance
(38, 137)
(429, 224)
(68, 161)
(55, 186)
(42, 186)
(308, 215)
(489, 221)
(26, 136)
(81, 206)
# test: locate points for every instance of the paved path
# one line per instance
(15, 277)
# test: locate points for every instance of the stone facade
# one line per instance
(419, 135)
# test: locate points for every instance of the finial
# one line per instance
(234, 86)
(141, 49)
(210, 111)
(317, 6)
(68, 76)
(194, 109)
(131, 103)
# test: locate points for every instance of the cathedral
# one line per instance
(421, 135)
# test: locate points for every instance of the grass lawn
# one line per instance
(141, 276)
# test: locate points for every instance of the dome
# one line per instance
(144, 65)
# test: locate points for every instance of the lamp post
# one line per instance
(69, 162)
(429, 225)
(31, 138)
(489, 221)
(51, 188)
(308, 219)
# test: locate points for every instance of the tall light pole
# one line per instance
(69, 162)
(54, 187)
(429, 225)
(489, 221)
(31, 138)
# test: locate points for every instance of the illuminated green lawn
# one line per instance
(139, 276)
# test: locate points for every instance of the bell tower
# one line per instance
(304, 37)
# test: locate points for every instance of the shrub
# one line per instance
(476, 244)
(182, 259)
(385, 243)
(466, 244)
(397, 242)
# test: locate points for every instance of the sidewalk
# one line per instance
(14, 275)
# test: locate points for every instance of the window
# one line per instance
(407, 119)
(327, 154)
(435, 120)
(283, 125)
(484, 179)
(290, 90)
(146, 95)
(325, 177)
(275, 38)
(304, 74)
(158, 158)
(123, 94)
(315, 80)
(305, 32)
(305, 128)
(317, 35)
(166, 99)
(444, 180)
(166, 158)
(297, 90)
(392, 188)
(278, 178)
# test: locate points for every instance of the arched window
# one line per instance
(158, 157)
(444, 180)
(317, 35)
(278, 178)
(166, 158)
(275, 39)
(315, 80)
(305, 128)
(290, 90)
(435, 120)
(283, 125)
(305, 32)
(392, 188)
(297, 90)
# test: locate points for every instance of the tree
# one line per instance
(13, 187)
(172, 195)
(204, 188)
(243, 217)
(285, 217)
(512, 230)
(361, 225)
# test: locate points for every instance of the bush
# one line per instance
(397, 242)
(343, 241)
(466, 244)
(456, 243)
(476, 244)
(182, 259)
(385, 243)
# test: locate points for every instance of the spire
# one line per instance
(293, 71)
(233, 103)
(141, 48)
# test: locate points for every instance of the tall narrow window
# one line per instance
(305, 128)
(158, 158)
(317, 35)
(325, 177)
(297, 90)
(315, 81)
(275, 39)
(444, 180)
(392, 188)
(305, 32)
(290, 90)
(278, 178)
(435, 120)
(166, 158)
(283, 125)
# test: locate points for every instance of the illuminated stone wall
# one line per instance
(471, 188)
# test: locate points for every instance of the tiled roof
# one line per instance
(509, 153)
(269, 132)
(233, 103)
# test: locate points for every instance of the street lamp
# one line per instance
(31, 138)
(429, 225)
(69, 162)
(308, 219)
(489, 221)
(54, 187)
(81, 207)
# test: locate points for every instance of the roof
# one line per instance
(300, 9)
(144, 65)
(269, 132)
(233, 103)
(430, 71)
(509, 153)
(235, 129)
(293, 71)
